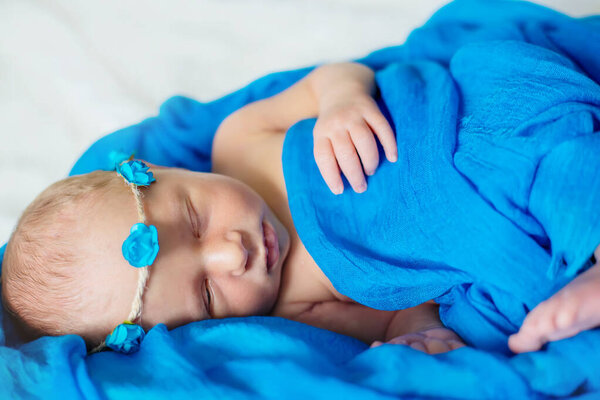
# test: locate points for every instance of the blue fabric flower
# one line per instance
(141, 246)
(136, 172)
(126, 338)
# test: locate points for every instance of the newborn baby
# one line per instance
(228, 246)
(227, 242)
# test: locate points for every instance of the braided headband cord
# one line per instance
(136, 306)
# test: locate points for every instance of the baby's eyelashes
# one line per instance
(193, 217)
(209, 299)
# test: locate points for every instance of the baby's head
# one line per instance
(64, 271)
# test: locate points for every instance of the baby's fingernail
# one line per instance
(338, 189)
(362, 187)
(393, 158)
(370, 172)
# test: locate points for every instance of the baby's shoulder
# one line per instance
(254, 159)
(232, 148)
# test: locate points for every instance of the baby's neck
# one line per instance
(302, 283)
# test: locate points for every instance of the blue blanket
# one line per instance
(491, 208)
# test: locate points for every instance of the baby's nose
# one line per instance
(230, 256)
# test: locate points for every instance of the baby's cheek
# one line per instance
(172, 310)
(253, 301)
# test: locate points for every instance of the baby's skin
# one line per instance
(571, 310)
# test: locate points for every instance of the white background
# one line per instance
(74, 70)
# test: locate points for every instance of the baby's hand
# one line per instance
(430, 341)
(343, 130)
(575, 308)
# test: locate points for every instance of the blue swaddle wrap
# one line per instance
(491, 208)
(497, 160)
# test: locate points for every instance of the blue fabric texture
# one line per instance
(491, 208)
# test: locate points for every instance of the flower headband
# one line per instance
(139, 249)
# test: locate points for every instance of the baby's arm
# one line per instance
(420, 328)
(323, 86)
(341, 96)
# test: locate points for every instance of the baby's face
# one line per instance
(212, 250)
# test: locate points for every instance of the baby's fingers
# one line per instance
(455, 344)
(325, 159)
(384, 132)
(365, 144)
(432, 345)
(436, 346)
(348, 161)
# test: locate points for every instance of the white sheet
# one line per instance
(74, 70)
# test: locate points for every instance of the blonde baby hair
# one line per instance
(40, 264)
